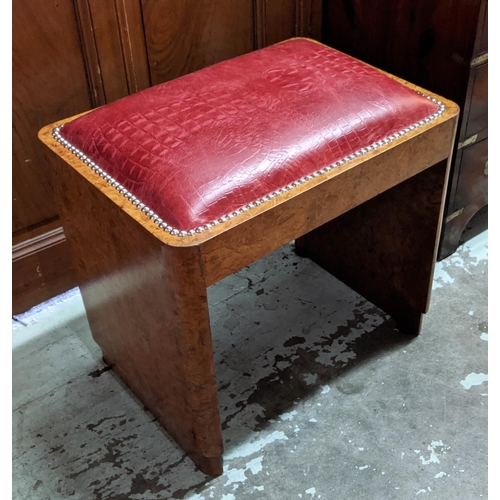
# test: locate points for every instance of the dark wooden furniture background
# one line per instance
(441, 45)
(72, 55)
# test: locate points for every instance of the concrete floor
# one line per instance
(321, 398)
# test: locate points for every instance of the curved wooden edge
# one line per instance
(45, 135)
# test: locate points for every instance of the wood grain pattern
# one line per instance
(49, 83)
(90, 52)
(114, 48)
(477, 112)
(437, 47)
(182, 37)
(277, 20)
(312, 19)
(481, 45)
(109, 48)
(474, 188)
(147, 309)
(133, 42)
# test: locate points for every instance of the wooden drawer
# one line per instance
(477, 121)
(472, 189)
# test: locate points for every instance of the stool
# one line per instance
(176, 187)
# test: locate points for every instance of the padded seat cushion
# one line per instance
(210, 145)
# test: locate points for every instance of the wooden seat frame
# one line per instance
(373, 223)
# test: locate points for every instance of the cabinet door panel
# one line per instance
(472, 188)
(182, 37)
(49, 83)
(478, 112)
(276, 21)
(482, 43)
(427, 42)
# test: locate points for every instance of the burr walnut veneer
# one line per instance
(167, 191)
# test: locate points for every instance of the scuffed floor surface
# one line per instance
(320, 396)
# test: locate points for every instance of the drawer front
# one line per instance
(472, 188)
(477, 121)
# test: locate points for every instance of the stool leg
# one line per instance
(385, 249)
(161, 347)
(147, 308)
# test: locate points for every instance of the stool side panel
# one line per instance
(147, 309)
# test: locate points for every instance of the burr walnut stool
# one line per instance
(167, 191)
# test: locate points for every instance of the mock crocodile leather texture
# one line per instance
(208, 143)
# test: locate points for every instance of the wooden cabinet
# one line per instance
(49, 82)
(72, 55)
(469, 181)
(441, 45)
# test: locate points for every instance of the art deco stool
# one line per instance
(168, 191)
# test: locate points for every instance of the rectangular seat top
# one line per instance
(193, 152)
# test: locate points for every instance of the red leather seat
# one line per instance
(212, 144)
